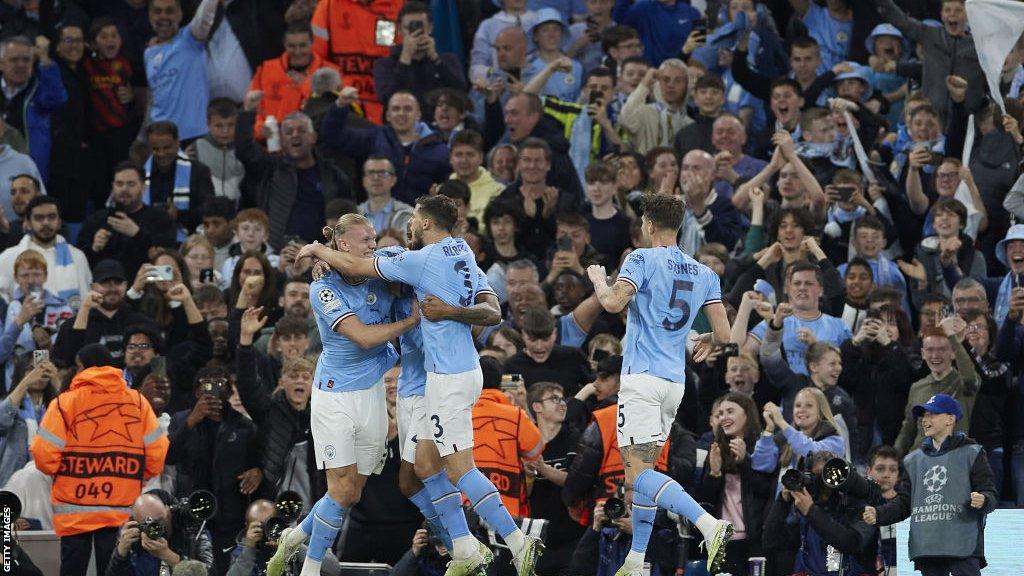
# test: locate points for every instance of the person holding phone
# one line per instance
(415, 65)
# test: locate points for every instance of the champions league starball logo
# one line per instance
(325, 295)
(935, 478)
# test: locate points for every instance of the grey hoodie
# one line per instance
(226, 169)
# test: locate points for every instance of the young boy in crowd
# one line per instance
(111, 93)
(884, 469)
(217, 148)
(950, 489)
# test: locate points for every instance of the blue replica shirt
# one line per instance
(832, 35)
(344, 366)
(569, 332)
(825, 328)
(176, 72)
(446, 269)
(562, 85)
(670, 288)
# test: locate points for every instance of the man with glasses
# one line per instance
(68, 274)
(969, 296)
(383, 211)
(547, 402)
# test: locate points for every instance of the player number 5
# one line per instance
(678, 302)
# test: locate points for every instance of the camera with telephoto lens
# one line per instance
(840, 475)
(795, 480)
(287, 509)
(199, 507)
(614, 507)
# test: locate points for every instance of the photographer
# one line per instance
(826, 528)
(607, 541)
(426, 557)
(254, 549)
(215, 448)
(155, 536)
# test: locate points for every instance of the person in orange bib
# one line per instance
(100, 441)
(353, 34)
(286, 81)
(503, 438)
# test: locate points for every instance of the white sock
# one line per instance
(464, 547)
(634, 560)
(707, 524)
(310, 567)
(516, 540)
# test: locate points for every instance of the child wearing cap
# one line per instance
(947, 491)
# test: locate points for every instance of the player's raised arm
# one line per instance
(346, 264)
(367, 337)
(615, 297)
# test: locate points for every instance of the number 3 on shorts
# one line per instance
(437, 424)
(622, 416)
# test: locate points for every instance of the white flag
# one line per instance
(996, 25)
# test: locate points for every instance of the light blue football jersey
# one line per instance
(825, 328)
(344, 366)
(446, 269)
(671, 287)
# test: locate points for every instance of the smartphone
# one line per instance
(700, 25)
(213, 386)
(160, 273)
(39, 356)
(599, 355)
(415, 26)
(935, 159)
(565, 243)
(845, 192)
(1018, 280)
(206, 275)
(36, 293)
(158, 366)
(510, 382)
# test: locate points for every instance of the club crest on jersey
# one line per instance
(371, 299)
(325, 295)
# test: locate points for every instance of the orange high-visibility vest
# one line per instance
(281, 94)
(353, 35)
(100, 441)
(503, 435)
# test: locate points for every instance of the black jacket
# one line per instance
(756, 492)
(878, 379)
(419, 77)
(71, 165)
(106, 331)
(200, 187)
(276, 179)
(210, 457)
(182, 541)
(258, 25)
(156, 229)
(281, 427)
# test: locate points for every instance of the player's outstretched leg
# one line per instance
(487, 503)
(668, 494)
(643, 512)
(326, 523)
(469, 555)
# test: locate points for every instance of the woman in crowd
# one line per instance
(199, 256)
(814, 429)
(149, 293)
(21, 411)
(877, 374)
(730, 485)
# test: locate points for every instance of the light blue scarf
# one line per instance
(1002, 307)
(182, 187)
(579, 145)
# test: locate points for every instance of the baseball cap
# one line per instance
(609, 365)
(107, 269)
(939, 404)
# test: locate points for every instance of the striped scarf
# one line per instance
(181, 194)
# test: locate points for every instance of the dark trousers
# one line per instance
(949, 566)
(76, 550)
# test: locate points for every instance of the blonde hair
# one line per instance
(197, 241)
(30, 259)
(298, 366)
(346, 222)
(604, 339)
(824, 415)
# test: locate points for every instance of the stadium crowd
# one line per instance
(846, 170)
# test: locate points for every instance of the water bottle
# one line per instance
(273, 134)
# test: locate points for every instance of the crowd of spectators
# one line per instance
(845, 172)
